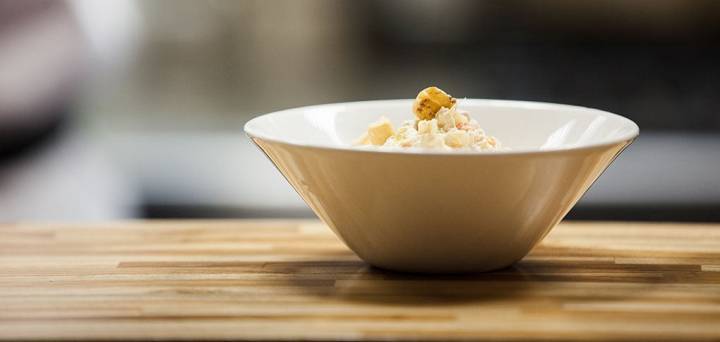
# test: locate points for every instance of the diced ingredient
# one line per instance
(380, 131)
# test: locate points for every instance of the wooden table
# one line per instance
(253, 280)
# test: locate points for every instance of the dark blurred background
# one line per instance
(121, 109)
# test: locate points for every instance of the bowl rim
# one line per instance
(628, 137)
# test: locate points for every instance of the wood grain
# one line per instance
(290, 280)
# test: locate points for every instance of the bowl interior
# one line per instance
(522, 126)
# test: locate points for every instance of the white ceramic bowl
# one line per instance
(443, 212)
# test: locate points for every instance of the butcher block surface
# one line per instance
(294, 280)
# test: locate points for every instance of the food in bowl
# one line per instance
(438, 124)
(435, 211)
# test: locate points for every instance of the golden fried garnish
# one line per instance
(429, 101)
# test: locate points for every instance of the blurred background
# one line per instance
(124, 109)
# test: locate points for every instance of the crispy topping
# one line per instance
(429, 101)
